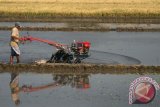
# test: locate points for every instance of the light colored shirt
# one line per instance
(15, 33)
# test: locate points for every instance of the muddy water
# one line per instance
(107, 47)
(46, 90)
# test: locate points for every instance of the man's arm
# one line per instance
(15, 37)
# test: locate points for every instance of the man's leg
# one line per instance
(11, 59)
(18, 60)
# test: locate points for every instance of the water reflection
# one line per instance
(76, 81)
(15, 89)
(59, 80)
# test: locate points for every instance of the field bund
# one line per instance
(55, 26)
(80, 68)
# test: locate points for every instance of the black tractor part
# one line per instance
(61, 56)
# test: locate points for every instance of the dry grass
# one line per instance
(78, 8)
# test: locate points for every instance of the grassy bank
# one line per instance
(80, 68)
(48, 10)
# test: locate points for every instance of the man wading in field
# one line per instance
(14, 43)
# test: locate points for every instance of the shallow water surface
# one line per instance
(69, 90)
(106, 47)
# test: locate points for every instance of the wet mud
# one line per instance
(100, 57)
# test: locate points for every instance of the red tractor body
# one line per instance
(81, 48)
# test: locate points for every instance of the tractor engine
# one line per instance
(78, 51)
(80, 48)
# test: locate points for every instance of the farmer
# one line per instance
(14, 43)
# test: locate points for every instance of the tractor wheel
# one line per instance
(77, 60)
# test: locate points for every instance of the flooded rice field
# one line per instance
(69, 90)
(106, 47)
(79, 89)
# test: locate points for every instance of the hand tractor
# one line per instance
(75, 53)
